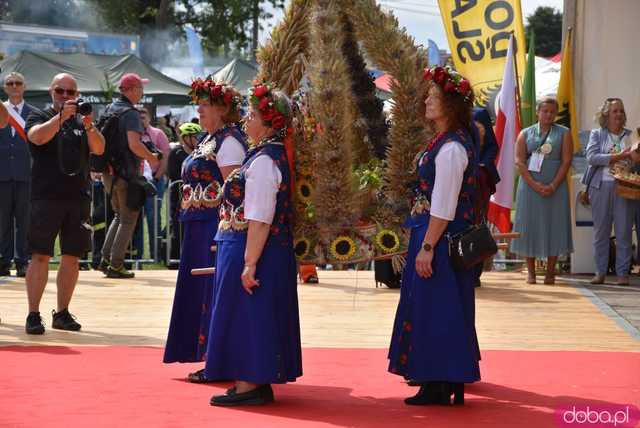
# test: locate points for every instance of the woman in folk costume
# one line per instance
(255, 330)
(434, 342)
(217, 154)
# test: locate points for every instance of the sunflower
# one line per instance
(343, 248)
(301, 247)
(387, 241)
(303, 190)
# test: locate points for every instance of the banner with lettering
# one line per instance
(478, 32)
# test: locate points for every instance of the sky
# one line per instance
(422, 18)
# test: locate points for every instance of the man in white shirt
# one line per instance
(15, 177)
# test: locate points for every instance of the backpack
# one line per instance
(116, 144)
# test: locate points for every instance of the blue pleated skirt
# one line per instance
(255, 338)
(192, 302)
(434, 336)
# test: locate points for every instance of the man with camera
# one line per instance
(15, 177)
(60, 139)
(122, 181)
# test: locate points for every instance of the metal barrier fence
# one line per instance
(162, 234)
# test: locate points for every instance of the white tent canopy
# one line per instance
(547, 77)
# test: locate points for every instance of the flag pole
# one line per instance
(515, 64)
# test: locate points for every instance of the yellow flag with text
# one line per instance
(478, 32)
(566, 100)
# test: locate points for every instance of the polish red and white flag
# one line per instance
(507, 130)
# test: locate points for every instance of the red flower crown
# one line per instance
(274, 112)
(216, 93)
(449, 80)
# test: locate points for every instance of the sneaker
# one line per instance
(34, 323)
(103, 266)
(120, 272)
(63, 320)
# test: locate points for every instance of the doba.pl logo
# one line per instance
(619, 416)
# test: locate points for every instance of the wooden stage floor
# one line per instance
(345, 310)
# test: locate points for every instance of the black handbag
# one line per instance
(471, 246)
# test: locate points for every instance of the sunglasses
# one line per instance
(14, 83)
(69, 92)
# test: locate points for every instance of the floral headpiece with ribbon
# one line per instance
(217, 93)
(274, 111)
(449, 80)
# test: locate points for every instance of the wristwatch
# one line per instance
(427, 247)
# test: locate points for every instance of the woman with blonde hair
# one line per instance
(543, 217)
(608, 145)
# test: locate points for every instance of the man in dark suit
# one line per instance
(488, 175)
(15, 177)
(488, 147)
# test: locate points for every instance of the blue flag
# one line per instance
(434, 54)
(195, 51)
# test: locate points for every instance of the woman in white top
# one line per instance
(434, 343)
(608, 145)
(255, 330)
(216, 155)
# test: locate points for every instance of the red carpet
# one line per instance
(121, 386)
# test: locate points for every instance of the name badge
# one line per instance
(535, 162)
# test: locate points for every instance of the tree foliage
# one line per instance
(224, 25)
(39, 12)
(546, 22)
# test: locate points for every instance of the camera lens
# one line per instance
(84, 108)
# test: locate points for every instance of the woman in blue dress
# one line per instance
(255, 330)
(543, 213)
(434, 341)
(217, 154)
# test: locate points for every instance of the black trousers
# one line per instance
(14, 222)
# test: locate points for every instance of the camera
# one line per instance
(152, 148)
(84, 108)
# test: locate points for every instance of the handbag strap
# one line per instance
(592, 175)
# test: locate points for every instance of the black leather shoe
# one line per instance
(63, 320)
(5, 271)
(256, 397)
(428, 394)
(34, 323)
(449, 389)
(198, 377)
(21, 271)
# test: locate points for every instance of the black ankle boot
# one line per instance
(458, 393)
(448, 389)
(428, 394)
